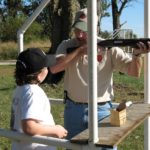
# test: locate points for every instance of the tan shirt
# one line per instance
(76, 75)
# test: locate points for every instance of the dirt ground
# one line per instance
(123, 92)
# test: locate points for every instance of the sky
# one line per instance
(132, 15)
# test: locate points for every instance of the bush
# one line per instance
(11, 25)
(34, 32)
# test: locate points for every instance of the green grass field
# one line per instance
(125, 89)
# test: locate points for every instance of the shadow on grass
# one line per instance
(7, 88)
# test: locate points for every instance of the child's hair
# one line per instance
(21, 78)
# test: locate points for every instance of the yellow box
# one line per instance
(118, 118)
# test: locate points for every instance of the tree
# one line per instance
(117, 8)
(61, 14)
(13, 14)
(11, 7)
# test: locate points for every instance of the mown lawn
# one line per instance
(125, 89)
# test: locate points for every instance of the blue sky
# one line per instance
(134, 15)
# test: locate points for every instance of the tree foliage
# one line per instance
(55, 20)
(102, 8)
(9, 28)
(10, 7)
(13, 14)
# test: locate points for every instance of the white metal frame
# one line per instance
(28, 22)
(92, 71)
(147, 74)
(92, 53)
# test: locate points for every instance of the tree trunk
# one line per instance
(62, 19)
(62, 14)
(116, 15)
(117, 9)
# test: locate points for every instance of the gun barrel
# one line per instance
(123, 42)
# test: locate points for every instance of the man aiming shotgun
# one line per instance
(72, 57)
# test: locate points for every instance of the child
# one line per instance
(30, 107)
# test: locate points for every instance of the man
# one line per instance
(72, 55)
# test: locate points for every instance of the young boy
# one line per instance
(30, 107)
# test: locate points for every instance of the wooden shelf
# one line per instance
(110, 136)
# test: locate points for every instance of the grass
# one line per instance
(6, 88)
(128, 88)
(9, 50)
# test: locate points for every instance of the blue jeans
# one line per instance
(76, 117)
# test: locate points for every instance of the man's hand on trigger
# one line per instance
(143, 49)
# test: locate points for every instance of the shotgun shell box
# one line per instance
(118, 118)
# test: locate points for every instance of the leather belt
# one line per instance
(82, 103)
(79, 103)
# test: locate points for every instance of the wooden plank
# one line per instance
(110, 136)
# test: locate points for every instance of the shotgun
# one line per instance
(123, 42)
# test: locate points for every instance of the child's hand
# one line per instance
(61, 132)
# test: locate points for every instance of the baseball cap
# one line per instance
(81, 20)
(32, 60)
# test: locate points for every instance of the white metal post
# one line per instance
(147, 74)
(13, 135)
(92, 56)
(28, 22)
(20, 41)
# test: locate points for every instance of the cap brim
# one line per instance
(50, 60)
(81, 25)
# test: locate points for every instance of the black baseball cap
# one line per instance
(32, 60)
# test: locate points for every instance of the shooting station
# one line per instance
(105, 135)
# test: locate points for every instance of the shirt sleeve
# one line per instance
(52, 59)
(120, 59)
(32, 105)
(61, 50)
